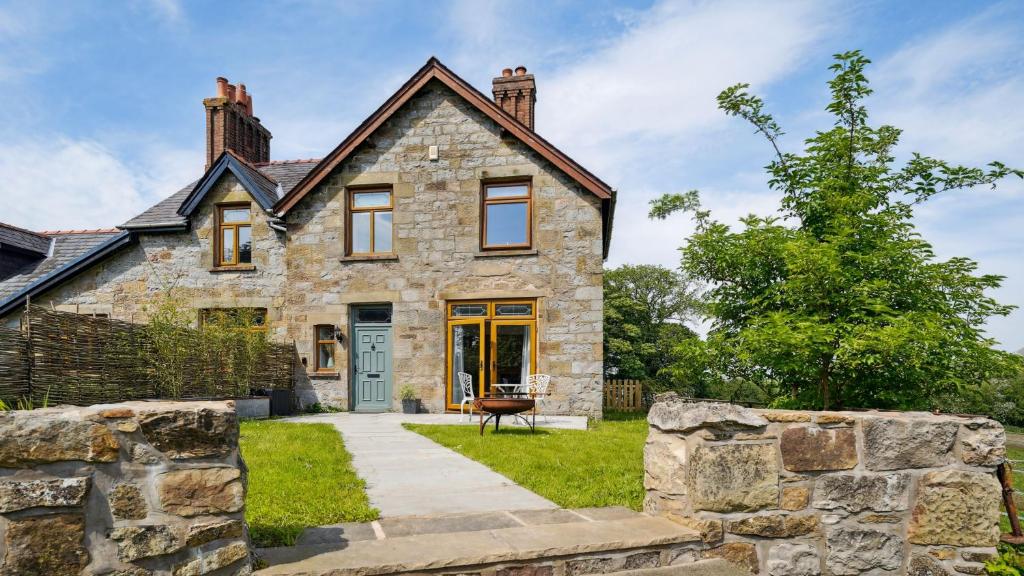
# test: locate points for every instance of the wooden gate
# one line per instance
(626, 395)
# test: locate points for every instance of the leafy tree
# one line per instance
(644, 310)
(837, 297)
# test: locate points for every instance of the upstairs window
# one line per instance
(369, 222)
(234, 235)
(507, 213)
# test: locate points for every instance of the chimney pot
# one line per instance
(222, 87)
(242, 97)
(231, 92)
(520, 70)
(248, 105)
(506, 73)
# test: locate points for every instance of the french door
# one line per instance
(466, 348)
(494, 342)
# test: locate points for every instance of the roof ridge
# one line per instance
(278, 162)
(79, 231)
(249, 165)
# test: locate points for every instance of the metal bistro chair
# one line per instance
(466, 382)
(537, 388)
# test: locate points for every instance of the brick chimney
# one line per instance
(516, 93)
(230, 125)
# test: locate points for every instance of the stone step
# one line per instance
(588, 546)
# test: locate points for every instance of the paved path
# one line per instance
(407, 474)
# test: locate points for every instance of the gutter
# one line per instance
(175, 226)
(67, 271)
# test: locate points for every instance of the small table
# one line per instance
(508, 389)
(514, 405)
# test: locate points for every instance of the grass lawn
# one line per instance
(299, 475)
(603, 466)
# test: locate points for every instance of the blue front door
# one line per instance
(371, 364)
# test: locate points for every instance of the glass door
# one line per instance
(512, 352)
(465, 355)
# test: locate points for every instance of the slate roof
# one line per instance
(23, 239)
(67, 248)
(265, 176)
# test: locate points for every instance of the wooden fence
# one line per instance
(626, 395)
(65, 358)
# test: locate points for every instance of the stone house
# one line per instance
(442, 236)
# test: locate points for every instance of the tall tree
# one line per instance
(836, 297)
(644, 310)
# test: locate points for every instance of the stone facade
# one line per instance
(303, 278)
(77, 498)
(838, 493)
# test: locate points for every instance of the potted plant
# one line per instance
(410, 403)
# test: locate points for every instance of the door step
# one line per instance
(537, 543)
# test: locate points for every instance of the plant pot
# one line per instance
(410, 406)
(257, 407)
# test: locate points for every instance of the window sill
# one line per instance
(241, 268)
(500, 253)
(323, 374)
(371, 258)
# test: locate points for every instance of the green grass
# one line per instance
(299, 475)
(603, 466)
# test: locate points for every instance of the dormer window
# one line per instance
(234, 235)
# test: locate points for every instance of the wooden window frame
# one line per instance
(485, 202)
(350, 209)
(316, 351)
(219, 237)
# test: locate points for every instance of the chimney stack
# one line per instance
(516, 93)
(230, 125)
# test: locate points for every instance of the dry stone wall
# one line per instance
(828, 493)
(133, 489)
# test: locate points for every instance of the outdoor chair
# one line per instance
(466, 382)
(537, 388)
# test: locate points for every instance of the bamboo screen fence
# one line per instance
(65, 358)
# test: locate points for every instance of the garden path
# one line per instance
(409, 475)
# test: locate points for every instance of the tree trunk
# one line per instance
(823, 379)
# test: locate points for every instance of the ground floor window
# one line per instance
(495, 342)
(325, 348)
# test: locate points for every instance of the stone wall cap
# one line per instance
(676, 415)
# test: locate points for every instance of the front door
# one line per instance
(371, 364)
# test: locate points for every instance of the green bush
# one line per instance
(1009, 562)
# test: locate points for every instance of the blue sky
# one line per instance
(101, 113)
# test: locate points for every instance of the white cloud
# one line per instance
(169, 12)
(656, 84)
(955, 94)
(65, 183)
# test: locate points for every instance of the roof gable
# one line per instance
(435, 70)
(262, 189)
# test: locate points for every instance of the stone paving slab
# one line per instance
(559, 516)
(606, 513)
(409, 475)
(337, 534)
(441, 551)
(417, 525)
